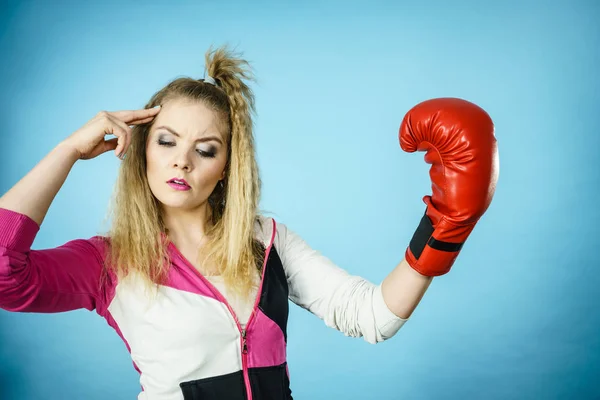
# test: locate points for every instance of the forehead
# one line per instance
(188, 118)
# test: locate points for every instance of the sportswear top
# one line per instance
(185, 339)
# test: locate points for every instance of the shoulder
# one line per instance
(101, 243)
(270, 231)
(96, 247)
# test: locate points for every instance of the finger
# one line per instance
(128, 116)
(110, 144)
(114, 128)
(141, 121)
(125, 140)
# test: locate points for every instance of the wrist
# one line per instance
(68, 151)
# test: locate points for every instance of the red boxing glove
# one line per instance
(458, 137)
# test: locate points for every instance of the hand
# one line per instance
(458, 137)
(89, 142)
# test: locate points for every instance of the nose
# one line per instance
(183, 161)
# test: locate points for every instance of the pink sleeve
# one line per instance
(46, 281)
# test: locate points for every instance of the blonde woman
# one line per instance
(193, 279)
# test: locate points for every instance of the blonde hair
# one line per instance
(138, 242)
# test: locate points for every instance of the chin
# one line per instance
(171, 201)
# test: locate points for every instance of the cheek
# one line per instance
(211, 170)
(152, 158)
(156, 170)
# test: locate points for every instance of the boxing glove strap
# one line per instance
(424, 236)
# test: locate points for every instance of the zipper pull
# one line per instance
(244, 344)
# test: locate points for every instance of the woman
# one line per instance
(191, 277)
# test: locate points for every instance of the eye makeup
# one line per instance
(211, 152)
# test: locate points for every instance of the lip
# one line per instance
(177, 186)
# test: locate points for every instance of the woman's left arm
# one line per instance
(403, 289)
(346, 302)
(458, 137)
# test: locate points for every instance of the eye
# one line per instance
(163, 143)
(207, 154)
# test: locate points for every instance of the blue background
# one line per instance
(517, 317)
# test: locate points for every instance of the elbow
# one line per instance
(387, 332)
(16, 298)
(16, 290)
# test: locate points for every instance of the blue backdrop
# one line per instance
(516, 318)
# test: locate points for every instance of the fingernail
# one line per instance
(158, 106)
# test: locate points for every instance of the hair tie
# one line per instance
(211, 80)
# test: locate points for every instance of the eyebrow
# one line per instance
(202, 139)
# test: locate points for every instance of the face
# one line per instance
(185, 143)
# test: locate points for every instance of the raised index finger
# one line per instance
(129, 116)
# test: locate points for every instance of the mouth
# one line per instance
(178, 184)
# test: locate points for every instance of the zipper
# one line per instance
(251, 319)
(243, 339)
(245, 364)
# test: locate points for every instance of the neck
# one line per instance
(186, 228)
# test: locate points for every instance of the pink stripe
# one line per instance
(266, 344)
(265, 340)
(183, 276)
(111, 321)
(102, 309)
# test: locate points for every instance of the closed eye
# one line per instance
(163, 143)
(206, 154)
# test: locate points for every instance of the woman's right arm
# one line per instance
(66, 277)
(52, 280)
(34, 193)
